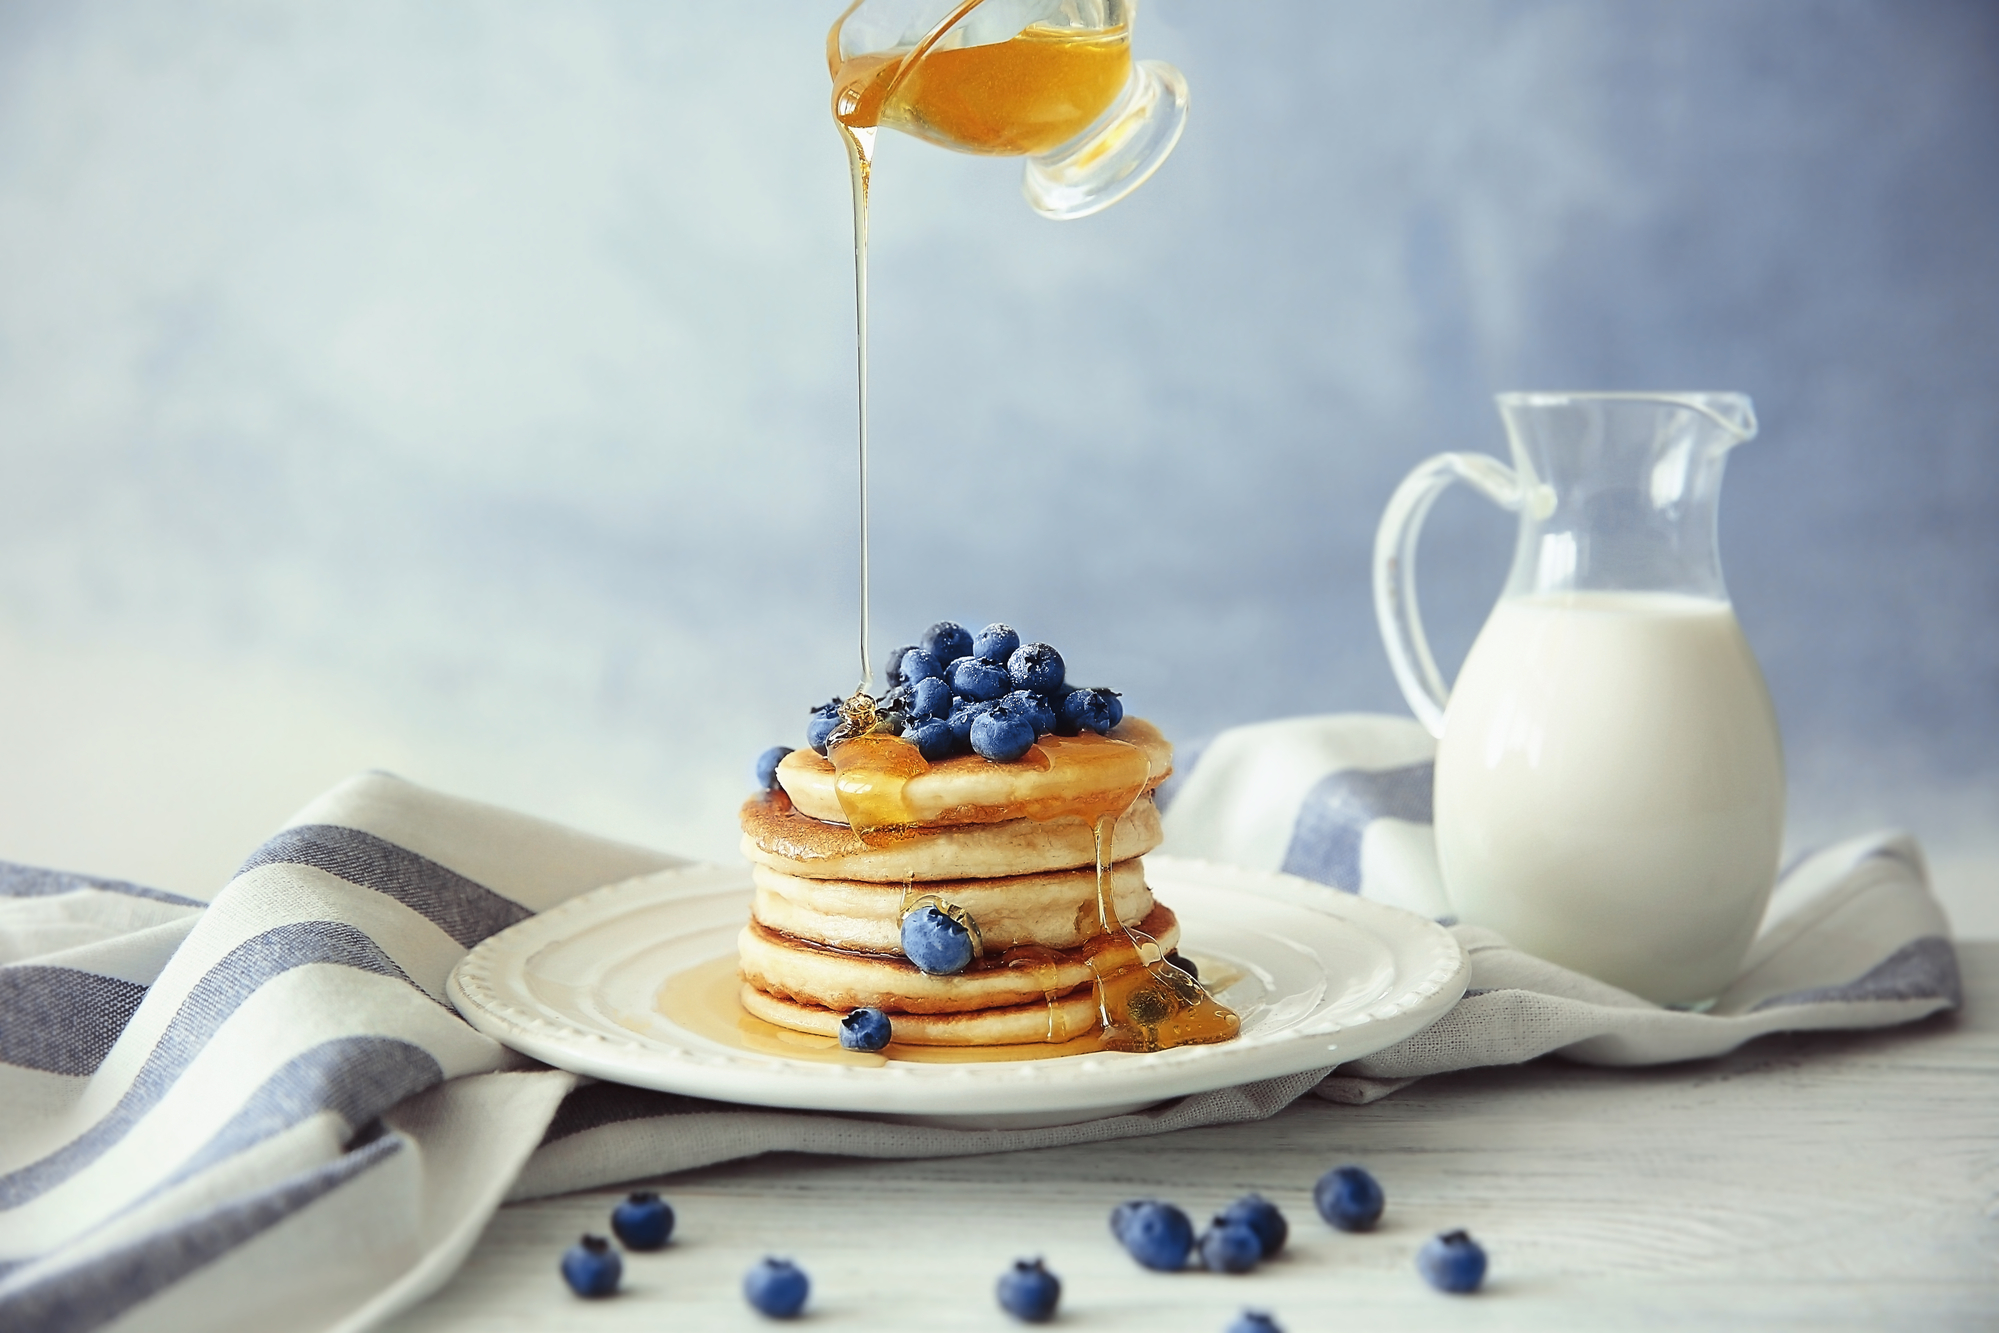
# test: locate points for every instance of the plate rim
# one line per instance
(971, 1090)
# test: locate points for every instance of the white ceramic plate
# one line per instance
(1320, 977)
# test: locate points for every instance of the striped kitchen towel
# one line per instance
(261, 1112)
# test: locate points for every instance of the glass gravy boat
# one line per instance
(1049, 80)
(1609, 781)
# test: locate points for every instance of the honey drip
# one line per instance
(870, 772)
(1146, 1004)
(1037, 90)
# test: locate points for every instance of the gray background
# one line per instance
(465, 389)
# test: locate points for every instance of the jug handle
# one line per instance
(1395, 609)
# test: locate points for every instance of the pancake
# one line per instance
(1058, 775)
(777, 835)
(813, 974)
(1057, 908)
(1071, 1016)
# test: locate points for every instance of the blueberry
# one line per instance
(1230, 1247)
(865, 1030)
(892, 668)
(947, 639)
(975, 679)
(766, 769)
(591, 1267)
(995, 643)
(1452, 1262)
(777, 1287)
(1254, 1321)
(896, 700)
(825, 718)
(1040, 715)
(1253, 1210)
(1002, 734)
(1349, 1198)
(963, 714)
(1186, 964)
(935, 943)
(1035, 666)
(1029, 1292)
(1156, 1234)
(1089, 710)
(930, 697)
(643, 1221)
(933, 739)
(920, 665)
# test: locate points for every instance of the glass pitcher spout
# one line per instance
(1616, 493)
(1621, 491)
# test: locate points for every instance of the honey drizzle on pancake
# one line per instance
(870, 773)
(1144, 1002)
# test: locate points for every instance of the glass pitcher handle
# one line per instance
(1395, 570)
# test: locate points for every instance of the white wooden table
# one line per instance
(1830, 1181)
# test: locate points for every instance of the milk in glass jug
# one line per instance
(1609, 781)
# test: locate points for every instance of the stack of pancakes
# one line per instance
(1011, 845)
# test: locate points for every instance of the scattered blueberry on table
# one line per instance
(591, 1267)
(1029, 1292)
(1452, 1262)
(1349, 1198)
(777, 1287)
(1253, 1321)
(644, 1221)
(865, 1030)
(1154, 1232)
(935, 942)
(1254, 1211)
(1229, 1246)
(766, 767)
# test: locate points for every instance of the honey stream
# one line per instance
(1039, 89)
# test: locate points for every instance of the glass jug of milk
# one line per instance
(1609, 783)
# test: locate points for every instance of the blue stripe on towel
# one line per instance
(1326, 838)
(463, 909)
(96, 1292)
(62, 1019)
(1922, 969)
(19, 881)
(356, 1078)
(219, 993)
